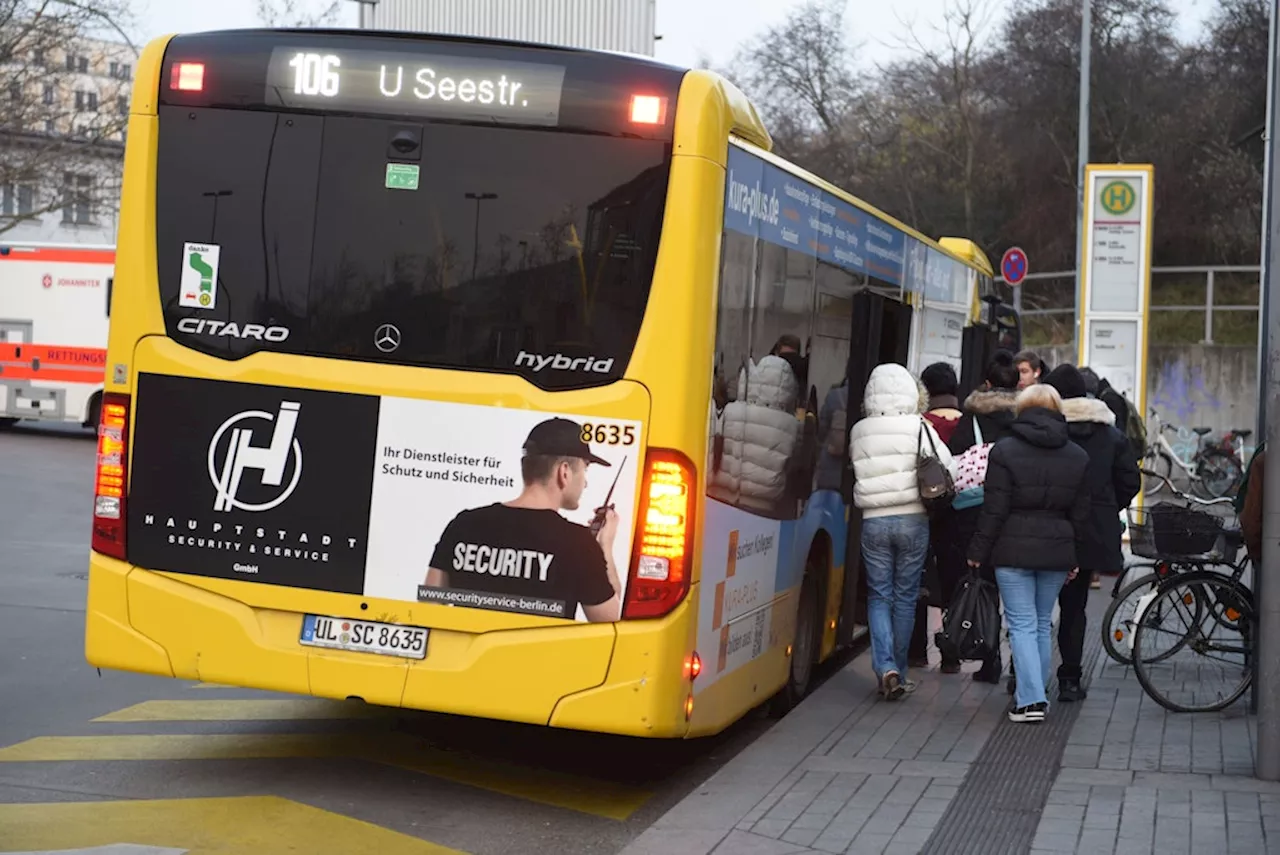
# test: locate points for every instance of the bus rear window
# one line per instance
(445, 245)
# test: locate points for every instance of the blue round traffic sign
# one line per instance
(1013, 267)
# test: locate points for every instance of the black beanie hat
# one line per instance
(1067, 380)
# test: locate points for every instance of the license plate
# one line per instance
(364, 636)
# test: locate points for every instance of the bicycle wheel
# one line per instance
(1212, 668)
(1218, 473)
(1120, 621)
(1157, 463)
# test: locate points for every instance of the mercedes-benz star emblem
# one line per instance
(387, 338)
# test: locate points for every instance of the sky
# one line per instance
(690, 29)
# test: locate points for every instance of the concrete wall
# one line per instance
(1190, 386)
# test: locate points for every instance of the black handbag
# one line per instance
(937, 488)
(971, 625)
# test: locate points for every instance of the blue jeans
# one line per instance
(1029, 597)
(894, 550)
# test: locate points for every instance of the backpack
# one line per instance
(1134, 427)
(971, 624)
(971, 472)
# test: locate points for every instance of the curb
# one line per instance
(704, 818)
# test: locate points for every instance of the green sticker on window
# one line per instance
(402, 176)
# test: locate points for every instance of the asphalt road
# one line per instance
(89, 759)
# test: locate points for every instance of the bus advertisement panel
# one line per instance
(413, 500)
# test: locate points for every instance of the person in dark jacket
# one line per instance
(943, 412)
(1113, 480)
(1034, 523)
(991, 408)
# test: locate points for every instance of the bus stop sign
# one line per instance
(1013, 266)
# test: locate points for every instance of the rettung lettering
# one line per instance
(251, 540)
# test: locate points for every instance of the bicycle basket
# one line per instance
(1171, 531)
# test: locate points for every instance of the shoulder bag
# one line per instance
(933, 479)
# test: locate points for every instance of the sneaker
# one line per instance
(909, 686)
(950, 666)
(1070, 691)
(892, 686)
(1030, 714)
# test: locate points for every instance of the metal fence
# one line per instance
(1048, 297)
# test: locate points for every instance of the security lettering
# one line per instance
(501, 561)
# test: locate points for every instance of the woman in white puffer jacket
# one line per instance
(760, 432)
(884, 447)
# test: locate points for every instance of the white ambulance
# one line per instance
(55, 302)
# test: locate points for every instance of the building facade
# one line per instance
(615, 25)
(62, 140)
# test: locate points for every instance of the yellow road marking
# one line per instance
(263, 825)
(585, 795)
(251, 710)
(211, 686)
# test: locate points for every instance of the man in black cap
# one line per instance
(522, 555)
(1113, 480)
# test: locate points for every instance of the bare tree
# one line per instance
(943, 91)
(65, 71)
(298, 13)
(800, 73)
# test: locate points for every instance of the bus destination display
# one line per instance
(441, 86)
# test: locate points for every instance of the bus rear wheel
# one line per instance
(804, 647)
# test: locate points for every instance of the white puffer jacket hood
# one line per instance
(884, 444)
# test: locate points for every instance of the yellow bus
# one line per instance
(487, 378)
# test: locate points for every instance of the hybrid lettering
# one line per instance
(560, 362)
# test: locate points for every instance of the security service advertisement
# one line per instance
(242, 481)
(504, 509)
(424, 501)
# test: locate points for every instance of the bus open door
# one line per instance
(1001, 329)
(881, 333)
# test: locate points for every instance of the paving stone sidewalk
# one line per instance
(848, 773)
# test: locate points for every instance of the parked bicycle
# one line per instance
(1188, 625)
(1172, 546)
(1214, 471)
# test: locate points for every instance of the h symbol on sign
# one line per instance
(270, 461)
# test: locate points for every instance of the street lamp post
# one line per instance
(1267, 590)
(1082, 155)
(475, 252)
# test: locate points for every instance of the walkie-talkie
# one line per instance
(597, 522)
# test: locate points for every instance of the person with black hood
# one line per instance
(1113, 480)
(988, 412)
(1034, 522)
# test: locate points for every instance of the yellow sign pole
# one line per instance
(1115, 285)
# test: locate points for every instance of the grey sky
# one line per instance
(687, 27)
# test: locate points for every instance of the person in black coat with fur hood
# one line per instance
(991, 407)
(1113, 480)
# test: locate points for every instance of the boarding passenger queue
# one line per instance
(1018, 488)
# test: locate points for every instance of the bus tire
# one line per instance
(804, 647)
(93, 411)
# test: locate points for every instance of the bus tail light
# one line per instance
(659, 577)
(111, 477)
